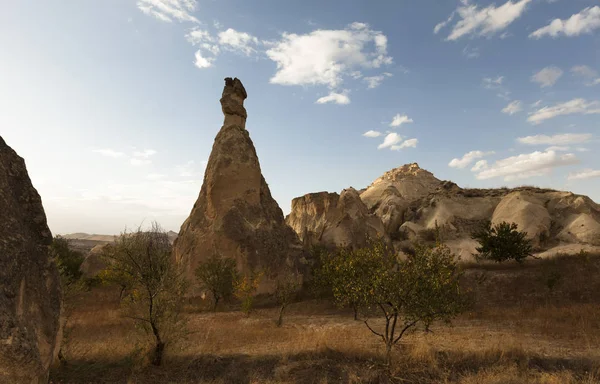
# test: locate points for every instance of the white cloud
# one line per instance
(155, 176)
(583, 22)
(195, 36)
(390, 140)
(439, 26)
(201, 61)
(325, 57)
(547, 77)
(492, 82)
(109, 153)
(479, 166)
(587, 73)
(167, 10)
(471, 53)
(468, 158)
(536, 104)
(372, 134)
(410, 143)
(485, 21)
(400, 119)
(238, 41)
(527, 165)
(513, 107)
(140, 161)
(580, 106)
(375, 81)
(558, 148)
(585, 174)
(581, 149)
(336, 98)
(146, 153)
(567, 138)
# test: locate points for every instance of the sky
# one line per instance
(114, 104)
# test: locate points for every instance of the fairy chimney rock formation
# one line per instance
(235, 215)
(30, 297)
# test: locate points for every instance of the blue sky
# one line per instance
(114, 104)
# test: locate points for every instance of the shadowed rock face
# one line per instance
(30, 301)
(235, 215)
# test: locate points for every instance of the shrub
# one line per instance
(218, 275)
(502, 242)
(142, 262)
(245, 290)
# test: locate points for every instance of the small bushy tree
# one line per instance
(419, 290)
(502, 242)
(219, 276)
(245, 290)
(142, 261)
(349, 273)
(286, 290)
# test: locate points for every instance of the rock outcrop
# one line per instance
(410, 202)
(30, 296)
(235, 215)
(333, 220)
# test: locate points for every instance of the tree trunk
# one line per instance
(280, 319)
(388, 354)
(355, 312)
(216, 303)
(160, 346)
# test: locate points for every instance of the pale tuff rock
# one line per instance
(409, 201)
(235, 215)
(333, 220)
(30, 296)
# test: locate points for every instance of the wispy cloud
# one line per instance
(547, 77)
(169, 10)
(409, 143)
(588, 74)
(335, 98)
(109, 152)
(567, 138)
(526, 165)
(486, 21)
(390, 140)
(468, 158)
(580, 23)
(575, 106)
(585, 174)
(375, 81)
(399, 119)
(513, 107)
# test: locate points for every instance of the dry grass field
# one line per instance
(535, 323)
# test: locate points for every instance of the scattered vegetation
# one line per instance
(245, 290)
(141, 261)
(219, 276)
(67, 260)
(502, 242)
(285, 292)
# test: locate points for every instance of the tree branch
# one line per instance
(371, 329)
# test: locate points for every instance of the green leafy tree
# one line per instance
(218, 275)
(67, 260)
(285, 293)
(419, 290)
(350, 273)
(502, 242)
(142, 261)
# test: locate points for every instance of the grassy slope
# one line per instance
(519, 331)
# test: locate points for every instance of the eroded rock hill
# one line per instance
(410, 201)
(30, 297)
(235, 215)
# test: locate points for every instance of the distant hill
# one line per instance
(84, 242)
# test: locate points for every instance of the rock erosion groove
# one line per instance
(235, 215)
(30, 297)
